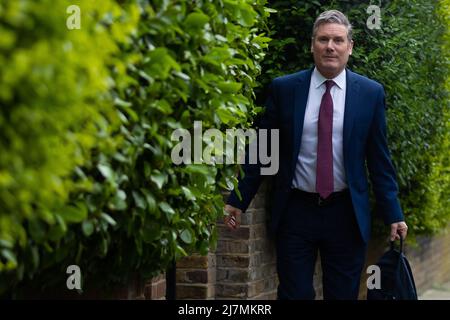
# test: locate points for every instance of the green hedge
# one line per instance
(54, 105)
(188, 61)
(85, 171)
(408, 57)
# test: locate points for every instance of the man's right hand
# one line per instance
(233, 219)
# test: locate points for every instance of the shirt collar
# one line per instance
(318, 79)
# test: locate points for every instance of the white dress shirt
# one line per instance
(305, 170)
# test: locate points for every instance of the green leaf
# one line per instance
(119, 201)
(150, 200)
(270, 10)
(195, 21)
(186, 236)
(87, 227)
(229, 87)
(225, 115)
(218, 55)
(106, 171)
(167, 209)
(57, 231)
(161, 63)
(247, 16)
(74, 213)
(180, 252)
(121, 103)
(6, 244)
(159, 179)
(188, 194)
(108, 219)
(197, 168)
(163, 106)
(10, 257)
(139, 200)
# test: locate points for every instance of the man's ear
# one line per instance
(312, 47)
(351, 47)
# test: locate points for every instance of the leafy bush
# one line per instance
(54, 84)
(408, 57)
(189, 61)
(86, 177)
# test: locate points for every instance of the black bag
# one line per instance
(397, 282)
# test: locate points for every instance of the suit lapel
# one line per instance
(301, 98)
(351, 109)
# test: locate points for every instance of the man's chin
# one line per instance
(330, 66)
(329, 69)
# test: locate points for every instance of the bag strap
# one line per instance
(401, 244)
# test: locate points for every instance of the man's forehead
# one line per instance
(333, 29)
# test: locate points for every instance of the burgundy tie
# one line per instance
(324, 171)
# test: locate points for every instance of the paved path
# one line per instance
(437, 292)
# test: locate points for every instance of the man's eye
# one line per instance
(339, 40)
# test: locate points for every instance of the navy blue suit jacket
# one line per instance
(365, 144)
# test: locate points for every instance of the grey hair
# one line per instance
(333, 16)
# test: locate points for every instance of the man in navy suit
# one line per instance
(332, 126)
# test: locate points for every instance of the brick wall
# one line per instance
(155, 288)
(246, 266)
(242, 267)
(196, 277)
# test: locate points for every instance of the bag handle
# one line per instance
(401, 244)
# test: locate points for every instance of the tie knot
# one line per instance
(329, 84)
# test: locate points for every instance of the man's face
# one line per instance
(331, 48)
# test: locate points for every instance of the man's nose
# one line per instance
(330, 46)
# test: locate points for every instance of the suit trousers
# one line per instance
(307, 229)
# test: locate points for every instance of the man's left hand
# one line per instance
(398, 229)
